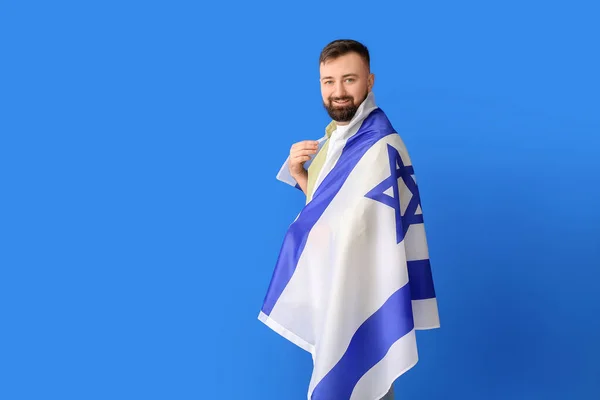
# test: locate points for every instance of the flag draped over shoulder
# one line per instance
(353, 280)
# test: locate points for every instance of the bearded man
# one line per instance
(353, 280)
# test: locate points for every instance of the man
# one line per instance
(346, 81)
(353, 280)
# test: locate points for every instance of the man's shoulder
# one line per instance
(380, 149)
(387, 139)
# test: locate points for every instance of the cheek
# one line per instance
(358, 91)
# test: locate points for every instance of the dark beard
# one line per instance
(343, 114)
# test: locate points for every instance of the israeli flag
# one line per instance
(353, 280)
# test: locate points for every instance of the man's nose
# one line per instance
(339, 91)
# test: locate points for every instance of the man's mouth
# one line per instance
(341, 102)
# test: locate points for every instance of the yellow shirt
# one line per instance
(319, 160)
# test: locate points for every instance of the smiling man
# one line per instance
(346, 81)
(353, 280)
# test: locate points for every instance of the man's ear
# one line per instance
(371, 82)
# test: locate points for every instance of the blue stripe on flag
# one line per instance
(368, 346)
(374, 127)
(421, 280)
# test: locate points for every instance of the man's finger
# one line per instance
(298, 159)
(307, 144)
(303, 152)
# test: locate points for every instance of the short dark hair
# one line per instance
(342, 47)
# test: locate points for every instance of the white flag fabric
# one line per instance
(353, 280)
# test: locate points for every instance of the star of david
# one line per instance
(399, 170)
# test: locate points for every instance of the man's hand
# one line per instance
(299, 154)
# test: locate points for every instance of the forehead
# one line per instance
(350, 63)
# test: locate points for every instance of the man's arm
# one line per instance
(302, 179)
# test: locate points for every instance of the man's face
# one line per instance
(345, 83)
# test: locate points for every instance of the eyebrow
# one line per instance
(345, 76)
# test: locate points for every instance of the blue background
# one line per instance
(141, 218)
